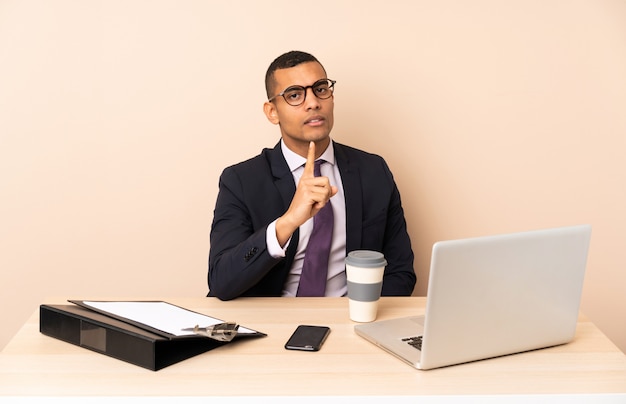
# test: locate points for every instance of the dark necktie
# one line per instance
(315, 266)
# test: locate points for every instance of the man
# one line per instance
(263, 222)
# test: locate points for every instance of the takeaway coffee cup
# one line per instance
(364, 270)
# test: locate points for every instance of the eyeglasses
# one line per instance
(296, 95)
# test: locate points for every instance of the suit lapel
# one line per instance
(353, 194)
(283, 180)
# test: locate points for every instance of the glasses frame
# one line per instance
(331, 87)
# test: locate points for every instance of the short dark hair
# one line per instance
(285, 61)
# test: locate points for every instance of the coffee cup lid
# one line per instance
(366, 259)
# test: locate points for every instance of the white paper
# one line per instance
(160, 315)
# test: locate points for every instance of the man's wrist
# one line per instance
(275, 248)
(284, 230)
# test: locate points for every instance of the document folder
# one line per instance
(119, 339)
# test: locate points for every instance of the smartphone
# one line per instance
(308, 338)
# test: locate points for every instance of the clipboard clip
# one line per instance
(224, 332)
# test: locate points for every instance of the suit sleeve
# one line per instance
(399, 279)
(238, 257)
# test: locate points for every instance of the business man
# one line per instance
(268, 207)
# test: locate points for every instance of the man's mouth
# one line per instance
(315, 121)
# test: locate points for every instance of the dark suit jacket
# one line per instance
(255, 192)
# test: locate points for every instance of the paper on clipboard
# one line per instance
(158, 315)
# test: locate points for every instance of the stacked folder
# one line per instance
(124, 338)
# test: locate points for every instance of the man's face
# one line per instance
(310, 121)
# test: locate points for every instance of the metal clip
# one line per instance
(224, 332)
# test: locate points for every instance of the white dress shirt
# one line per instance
(336, 281)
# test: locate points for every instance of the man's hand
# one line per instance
(312, 193)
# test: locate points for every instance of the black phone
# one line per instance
(308, 338)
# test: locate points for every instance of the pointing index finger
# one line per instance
(310, 161)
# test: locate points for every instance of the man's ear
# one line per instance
(271, 113)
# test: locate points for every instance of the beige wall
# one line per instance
(117, 117)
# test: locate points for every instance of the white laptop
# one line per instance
(492, 296)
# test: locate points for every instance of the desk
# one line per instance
(33, 364)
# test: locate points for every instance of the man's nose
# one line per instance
(311, 101)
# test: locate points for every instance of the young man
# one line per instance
(266, 207)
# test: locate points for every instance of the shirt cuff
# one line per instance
(273, 247)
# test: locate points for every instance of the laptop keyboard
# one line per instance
(415, 342)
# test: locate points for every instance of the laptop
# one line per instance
(492, 296)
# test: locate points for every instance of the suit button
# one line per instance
(250, 254)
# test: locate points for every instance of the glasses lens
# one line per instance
(294, 95)
(323, 89)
